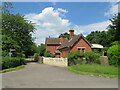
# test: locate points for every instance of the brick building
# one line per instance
(62, 46)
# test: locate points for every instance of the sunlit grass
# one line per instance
(95, 69)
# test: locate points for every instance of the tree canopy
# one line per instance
(106, 38)
(16, 33)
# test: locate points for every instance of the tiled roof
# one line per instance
(52, 41)
(72, 41)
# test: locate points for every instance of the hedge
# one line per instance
(75, 58)
(11, 62)
(113, 54)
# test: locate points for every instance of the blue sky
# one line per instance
(54, 18)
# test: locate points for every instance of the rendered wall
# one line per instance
(62, 62)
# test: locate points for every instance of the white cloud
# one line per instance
(62, 10)
(113, 10)
(100, 26)
(48, 23)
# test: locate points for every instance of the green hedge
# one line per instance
(75, 58)
(48, 54)
(113, 54)
(10, 62)
(92, 57)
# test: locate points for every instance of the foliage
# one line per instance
(66, 35)
(116, 26)
(48, 54)
(95, 69)
(105, 38)
(10, 62)
(41, 49)
(16, 33)
(92, 57)
(75, 58)
(12, 69)
(114, 55)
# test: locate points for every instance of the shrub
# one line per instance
(92, 57)
(36, 57)
(83, 58)
(10, 62)
(48, 54)
(114, 55)
(75, 58)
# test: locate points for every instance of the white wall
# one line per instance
(62, 62)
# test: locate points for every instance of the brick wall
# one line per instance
(81, 43)
(51, 48)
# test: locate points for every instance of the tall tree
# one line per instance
(16, 33)
(106, 38)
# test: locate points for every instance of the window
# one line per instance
(81, 49)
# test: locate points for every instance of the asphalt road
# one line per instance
(45, 76)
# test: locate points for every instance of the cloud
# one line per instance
(113, 10)
(100, 26)
(48, 23)
(62, 10)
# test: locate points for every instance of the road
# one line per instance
(44, 76)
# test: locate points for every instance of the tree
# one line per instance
(66, 35)
(41, 49)
(16, 33)
(106, 38)
(115, 26)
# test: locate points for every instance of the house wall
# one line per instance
(51, 48)
(65, 52)
(81, 43)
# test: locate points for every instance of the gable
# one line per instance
(70, 43)
(81, 43)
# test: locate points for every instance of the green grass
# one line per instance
(12, 69)
(94, 69)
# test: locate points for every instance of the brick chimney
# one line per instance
(62, 38)
(71, 33)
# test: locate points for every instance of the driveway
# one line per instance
(45, 76)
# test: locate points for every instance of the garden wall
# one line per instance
(62, 62)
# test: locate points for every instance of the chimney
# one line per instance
(62, 38)
(71, 33)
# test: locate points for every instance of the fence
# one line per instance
(62, 62)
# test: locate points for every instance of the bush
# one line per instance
(92, 57)
(114, 55)
(83, 58)
(10, 62)
(75, 58)
(36, 57)
(48, 54)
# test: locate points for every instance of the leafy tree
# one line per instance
(48, 54)
(66, 35)
(116, 26)
(106, 38)
(41, 49)
(16, 32)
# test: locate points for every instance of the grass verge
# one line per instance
(94, 69)
(12, 69)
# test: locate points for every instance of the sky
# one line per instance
(53, 18)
